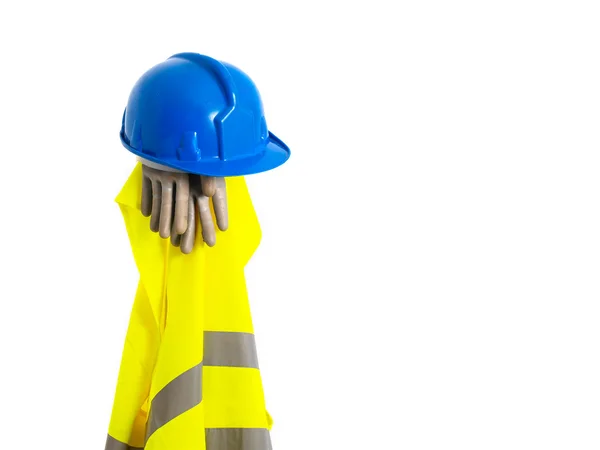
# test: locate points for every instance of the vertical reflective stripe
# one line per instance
(113, 444)
(238, 439)
(180, 395)
(230, 349)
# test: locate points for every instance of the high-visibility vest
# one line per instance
(189, 377)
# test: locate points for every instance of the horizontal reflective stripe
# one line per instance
(113, 444)
(238, 439)
(218, 439)
(230, 349)
(177, 397)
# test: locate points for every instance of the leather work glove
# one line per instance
(171, 200)
(201, 189)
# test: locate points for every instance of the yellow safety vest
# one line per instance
(189, 377)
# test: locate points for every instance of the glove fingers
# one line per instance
(156, 205)
(206, 220)
(188, 238)
(209, 185)
(220, 204)
(182, 194)
(146, 196)
(166, 209)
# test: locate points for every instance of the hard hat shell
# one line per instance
(199, 115)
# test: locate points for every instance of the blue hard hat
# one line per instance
(199, 115)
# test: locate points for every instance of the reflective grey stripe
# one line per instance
(113, 444)
(229, 349)
(238, 439)
(180, 395)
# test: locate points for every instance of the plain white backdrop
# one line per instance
(429, 275)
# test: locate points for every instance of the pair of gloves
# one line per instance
(178, 203)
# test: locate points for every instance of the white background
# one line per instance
(429, 272)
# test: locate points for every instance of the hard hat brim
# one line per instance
(274, 154)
